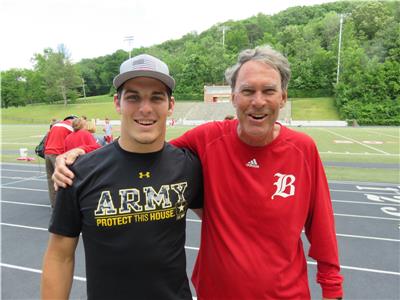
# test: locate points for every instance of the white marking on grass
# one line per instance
(384, 134)
(11, 143)
(355, 141)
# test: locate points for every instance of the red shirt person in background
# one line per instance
(80, 137)
(55, 146)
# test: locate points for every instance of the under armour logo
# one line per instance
(282, 184)
(144, 174)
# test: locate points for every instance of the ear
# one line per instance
(117, 104)
(233, 99)
(171, 106)
(283, 100)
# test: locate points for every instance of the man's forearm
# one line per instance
(56, 278)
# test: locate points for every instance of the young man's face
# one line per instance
(257, 97)
(144, 108)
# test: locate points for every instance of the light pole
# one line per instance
(129, 39)
(83, 87)
(340, 45)
(224, 28)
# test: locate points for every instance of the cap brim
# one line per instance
(121, 78)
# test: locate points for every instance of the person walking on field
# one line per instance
(107, 131)
(253, 219)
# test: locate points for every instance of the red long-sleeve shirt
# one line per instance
(257, 202)
(56, 137)
(81, 138)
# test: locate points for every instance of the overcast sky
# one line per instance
(92, 28)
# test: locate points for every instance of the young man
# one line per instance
(251, 245)
(129, 200)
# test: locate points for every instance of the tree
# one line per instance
(58, 73)
(13, 88)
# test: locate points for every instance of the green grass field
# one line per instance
(314, 109)
(358, 145)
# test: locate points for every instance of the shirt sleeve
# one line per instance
(321, 233)
(91, 142)
(195, 167)
(66, 217)
(90, 148)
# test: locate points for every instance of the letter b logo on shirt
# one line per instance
(284, 185)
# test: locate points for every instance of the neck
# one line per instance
(130, 145)
(259, 141)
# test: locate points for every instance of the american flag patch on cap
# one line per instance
(143, 64)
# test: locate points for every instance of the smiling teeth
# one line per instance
(145, 122)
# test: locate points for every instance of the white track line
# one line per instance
(308, 262)
(355, 141)
(194, 248)
(33, 270)
(23, 226)
(23, 171)
(367, 217)
(368, 237)
(24, 178)
(23, 189)
(24, 203)
(366, 192)
(358, 153)
(362, 269)
(366, 203)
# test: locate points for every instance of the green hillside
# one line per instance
(98, 107)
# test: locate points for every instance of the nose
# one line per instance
(145, 106)
(258, 99)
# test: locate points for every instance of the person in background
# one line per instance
(129, 201)
(229, 117)
(55, 146)
(91, 127)
(107, 131)
(80, 136)
(251, 246)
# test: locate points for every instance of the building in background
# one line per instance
(217, 93)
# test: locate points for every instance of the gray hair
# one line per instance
(265, 54)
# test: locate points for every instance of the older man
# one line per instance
(264, 183)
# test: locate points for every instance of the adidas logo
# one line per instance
(252, 164)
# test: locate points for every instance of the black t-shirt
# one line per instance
(131, 210)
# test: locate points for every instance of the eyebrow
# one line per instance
(268, 86)
(156, 93)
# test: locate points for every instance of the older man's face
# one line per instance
(257, 97)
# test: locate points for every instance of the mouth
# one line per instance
(145, 122)
(258, 116)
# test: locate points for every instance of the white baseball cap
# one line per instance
(144, 65)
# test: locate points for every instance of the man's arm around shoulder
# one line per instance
(58, 267)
